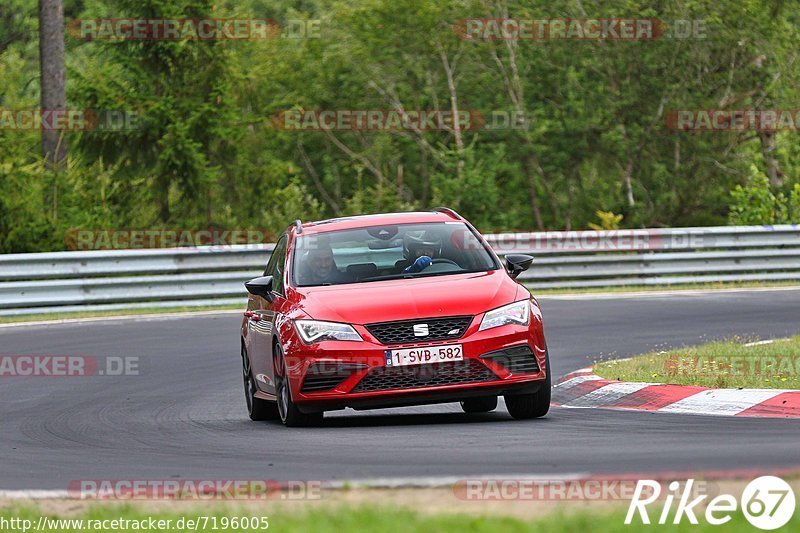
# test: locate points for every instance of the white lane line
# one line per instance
(721, 401)
(151, 316)
(446, 481)
(33, 494)
(568, 384)
(767, 341)
(366, 483)
(575, 373)
(607, 395)
(657, 294)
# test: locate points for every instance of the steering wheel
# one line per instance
(443, 261)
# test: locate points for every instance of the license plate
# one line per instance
(425, 355)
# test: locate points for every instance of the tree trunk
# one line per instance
(530, 172)
(51, 64)
(627, 176)
(163, 199)
(773, 166)
(457, 134)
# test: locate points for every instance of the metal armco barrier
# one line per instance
(118, 279)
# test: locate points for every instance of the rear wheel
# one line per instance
(483, 404)
(532, 405)
(257, 408)
(289, 414)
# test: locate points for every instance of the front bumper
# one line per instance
(336, 374)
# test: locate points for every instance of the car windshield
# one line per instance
(396, 251)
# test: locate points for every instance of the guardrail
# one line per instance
(114, 279)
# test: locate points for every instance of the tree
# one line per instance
(52, 76)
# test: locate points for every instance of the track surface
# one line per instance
(184, 417)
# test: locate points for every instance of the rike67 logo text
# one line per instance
(767, 502)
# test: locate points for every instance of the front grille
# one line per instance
(517, 359)
(430, 375)
(326, 376)
(401, 332)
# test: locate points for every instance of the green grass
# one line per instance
(722, 364)
(386, 518)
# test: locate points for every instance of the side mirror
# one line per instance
(518, 263)
(260, 287)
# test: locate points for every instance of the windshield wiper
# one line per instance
(389, 276)
(421, 274)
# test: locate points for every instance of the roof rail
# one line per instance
(298, 225)
(447, 211)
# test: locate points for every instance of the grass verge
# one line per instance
(368, 519)
(730, 364)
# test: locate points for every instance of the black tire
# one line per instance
(288, 412)
(533, 405)
(257, 408)
(484, 404)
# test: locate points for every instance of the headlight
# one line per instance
(312, 331)
(516, 313)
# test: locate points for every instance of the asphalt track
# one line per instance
(183, 416)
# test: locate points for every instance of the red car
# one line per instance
(391, 310)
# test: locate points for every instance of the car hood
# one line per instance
(402, 299)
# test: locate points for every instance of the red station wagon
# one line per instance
(391, 310)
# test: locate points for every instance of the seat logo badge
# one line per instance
(421, 330)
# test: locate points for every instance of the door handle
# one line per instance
(255, 317)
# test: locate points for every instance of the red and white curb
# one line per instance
(583, 389)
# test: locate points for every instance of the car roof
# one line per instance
(363, 221)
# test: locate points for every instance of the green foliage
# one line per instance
(402, 516)
(587, 134)
(608, 221)
(794, 204)
(755, 203)
(286, 204)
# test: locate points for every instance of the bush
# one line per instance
(754, 204)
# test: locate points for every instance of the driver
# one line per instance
(419, 253)
(320, 266)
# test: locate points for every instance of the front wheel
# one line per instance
(257, 408)
(289, 414)
(532, 405)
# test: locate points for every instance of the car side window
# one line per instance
(271, 262)
(277, 263)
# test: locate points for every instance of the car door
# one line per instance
(263, 315)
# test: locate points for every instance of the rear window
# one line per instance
(378, 253)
